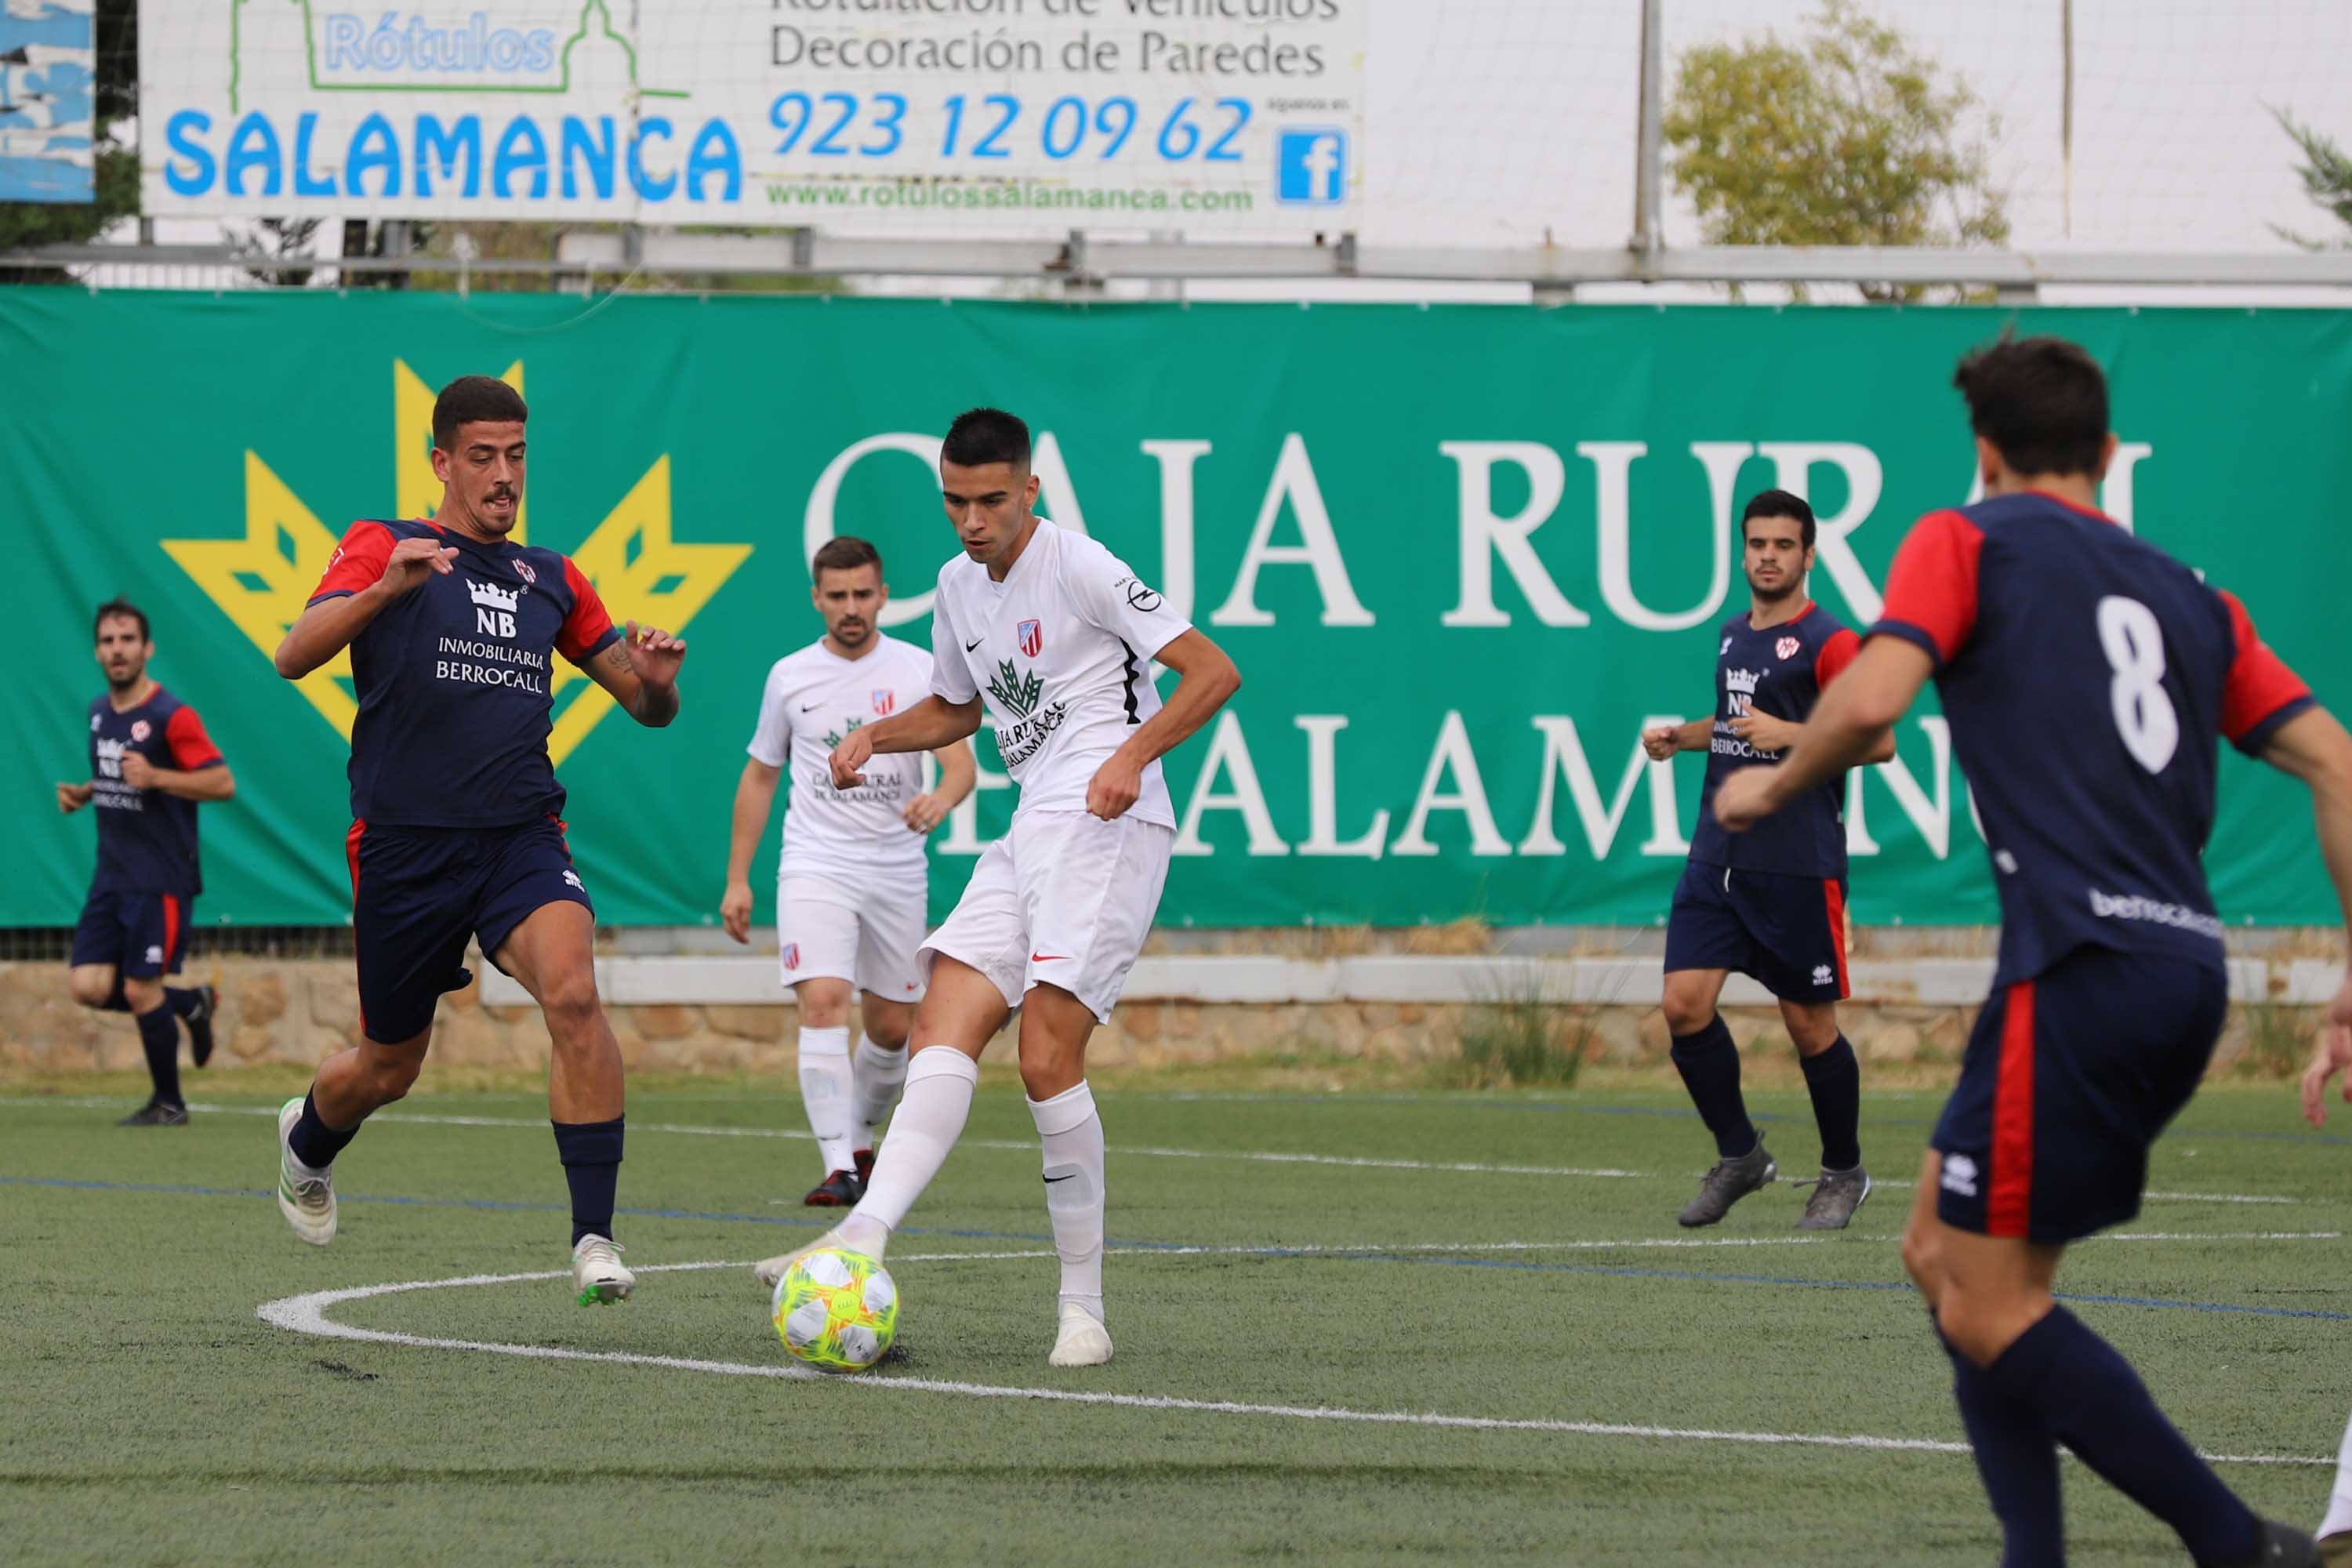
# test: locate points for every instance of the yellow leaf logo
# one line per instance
(261, 581)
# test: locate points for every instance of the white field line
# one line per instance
(1259, 1156)
(306, 1314)
(796, 1134)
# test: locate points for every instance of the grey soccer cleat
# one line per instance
(2284, 1546)
(1728, 1182)
(1836, 1195)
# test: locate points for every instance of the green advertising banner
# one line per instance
(1462, 555)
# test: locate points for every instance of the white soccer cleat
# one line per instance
(307, 1202)
(597, 1272)
(769, 1272)
(1083, 1342)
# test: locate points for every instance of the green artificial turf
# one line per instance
(153, 1418)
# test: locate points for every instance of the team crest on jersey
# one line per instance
(139, 730)
(1033, 638)
(522, 570)
(1787, 647)
(885, 702)
(791, 955)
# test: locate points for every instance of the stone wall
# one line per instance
(300, 1011)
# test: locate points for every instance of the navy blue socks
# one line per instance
(314, 1142)
(1835, 1080)
(2018, 1459)
(1709, 1064)
(591, 1152)
(159, 1036)
(2088, 1396)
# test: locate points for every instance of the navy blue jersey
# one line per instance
(2085, 674)
(453, 678)
(1779, 670)
(146, 838)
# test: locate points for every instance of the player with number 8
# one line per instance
(2086, 676)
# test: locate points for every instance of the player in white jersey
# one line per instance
(851, 881)
(1056, 637)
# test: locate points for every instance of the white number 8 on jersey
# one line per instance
(2143, 710)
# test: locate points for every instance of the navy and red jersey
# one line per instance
(1779, 670)
(2085, 674)
(146, 838)
(454, 681)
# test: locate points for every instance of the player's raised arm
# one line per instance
(957, 773)
(1206, 678)
(2267, 711)
(640, 669)
(930, 725)
(369, 571)
(1767, 732)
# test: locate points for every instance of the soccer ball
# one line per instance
(837, 1309)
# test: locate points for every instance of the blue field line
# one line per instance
(1684, 1113)
(1682, 1276)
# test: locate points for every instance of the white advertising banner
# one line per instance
(985, 117)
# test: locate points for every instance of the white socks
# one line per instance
(939, 1081)
(1072, 1138)
(2339, 1505)
(878, 1074)
(825, 1089)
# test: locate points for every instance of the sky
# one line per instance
(1499, 119)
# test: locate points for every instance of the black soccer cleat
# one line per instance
(841, 1190)
(864, 1160)
(1728, 1182)
(155, 1113)
(200, 1023)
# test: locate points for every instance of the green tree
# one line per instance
(116, 182)
(1845, 137)
(2326, 171)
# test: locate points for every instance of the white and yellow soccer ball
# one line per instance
(837, 1309)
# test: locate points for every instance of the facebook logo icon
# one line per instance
(1310, 165)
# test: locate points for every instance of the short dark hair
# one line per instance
(119, 608)
(2041, 401)
(845, 554)
(983, 436)
(475, 400)
(1780, 503)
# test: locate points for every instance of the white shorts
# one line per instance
(868, 936)
(1064, 899)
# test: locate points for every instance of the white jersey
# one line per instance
(813, 699)
(1061, 650)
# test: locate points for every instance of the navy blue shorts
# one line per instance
(1787, 932)
(417, 893)
(143, 935)
(2069, 1076)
